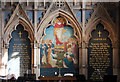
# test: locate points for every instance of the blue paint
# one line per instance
(6, 13)
(47, 69)
(30, 15)
(51, 71)
(79, 15)
(39, 14)
(87, 15)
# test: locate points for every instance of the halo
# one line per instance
(59, 18)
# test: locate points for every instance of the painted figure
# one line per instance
(43, 51)
(60, 46)
(52, 46)
(50, 58)
(68, 44)
(68, 61)
(59, 30)
(74, 48)
(70, 54)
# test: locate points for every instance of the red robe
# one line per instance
(56, 37)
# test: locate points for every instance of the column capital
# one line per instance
(115, 44)
(80, 44)
(6, 46)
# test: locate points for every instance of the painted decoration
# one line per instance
(59, 47)
(19, 52)
(100, 58)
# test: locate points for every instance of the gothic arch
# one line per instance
(70, 20)
(107, 26)
(18, 17)
(100, 15)
(27, 26)
(61, 13)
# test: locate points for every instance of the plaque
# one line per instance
(19, 52)
(99, 54)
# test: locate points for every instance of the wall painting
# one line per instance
(59, 49)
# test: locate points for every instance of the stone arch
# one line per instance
(12, 26)
(112, 36)
(64, 14)
(107, 26)
(20, 45)
(70, 20)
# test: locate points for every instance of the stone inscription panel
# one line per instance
(19, 52)
(23, 50)
(99, 54)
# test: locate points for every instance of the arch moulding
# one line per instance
(45, 23)
(107, 26)
(12, 26)
(110, 27)
(70, 20)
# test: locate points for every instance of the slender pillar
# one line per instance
(36, 45)
(0, 35)
(84, 49)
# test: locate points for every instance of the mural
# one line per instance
(59, 46)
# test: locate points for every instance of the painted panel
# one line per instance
(59, 49)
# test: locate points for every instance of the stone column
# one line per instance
(2, 49)
(36, 45)
(119, 42)
(0, 35)
(115, 58)
(84, 58)
(84, 49)
(37, 60)
(37, 50)
(5, 53)
(80, 57)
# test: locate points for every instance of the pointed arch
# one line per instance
(71, 21)
(12, 27)
(20, 45)
(107, 26)
(100, 15)
(61, 13)
(18, 17)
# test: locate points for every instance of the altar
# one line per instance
(56, 79)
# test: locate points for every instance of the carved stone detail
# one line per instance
(80, 44)
(115, 44)
(6, 46)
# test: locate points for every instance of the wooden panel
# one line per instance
(56, 79)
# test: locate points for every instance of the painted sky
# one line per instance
(50, 34)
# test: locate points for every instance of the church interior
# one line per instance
(59, 41)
